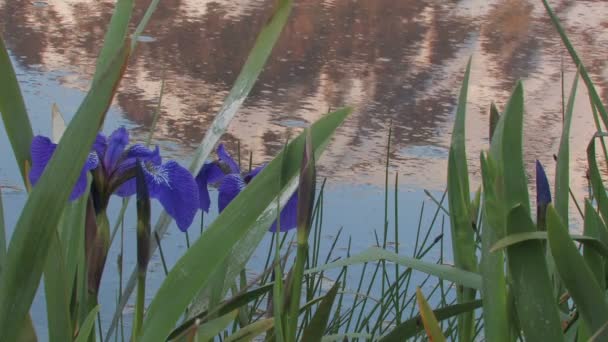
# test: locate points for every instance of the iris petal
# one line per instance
(226, 158)
(175, 188)
(289, 215)
(543, 191)
(100, 145)
(210, 173)
(135, 152)
(230, 187)
(42, 149)
(118, 141)
(249, 176)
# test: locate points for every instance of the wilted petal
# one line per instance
(543, 191)
(42, 149)
(230, 187)
(118, 141)
(289, 215)
(175, 188)
(210, 173)
(227, 159)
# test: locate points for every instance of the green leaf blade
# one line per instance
(14, 114)
(189, 275)
(576, 275)
(531, 285)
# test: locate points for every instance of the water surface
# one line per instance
(396, 62)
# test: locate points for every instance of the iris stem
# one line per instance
(187, 240)
(162, 255)
(296, 288)
(140, 302)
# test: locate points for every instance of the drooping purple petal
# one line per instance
(42, 149)
(249, 176)
(227, 159)
(543, 191)
(81, 184)
(100, 145)
(230, 187)
(289, 215)
(118, 141)
(175, 188)
(128, 161)
(209, 173)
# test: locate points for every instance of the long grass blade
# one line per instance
(532, 290)
(494, 290)
(248, 333)
(374, 254)
(576, 275)
(87, 326)
(189, 275)
(56, 285)
(463, 239)
(579, 64)
(27, 252)
(562, 171)
(413, 326)
(431, 325)
(316, 328)
(14, 114)
(241, 88)
(595, 180)
(2, 235)
(513, 239)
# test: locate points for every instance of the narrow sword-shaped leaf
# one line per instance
(562, 171)
(2, 235)
(56, 285)
(411, 327)
(463, 239)
(216, 243)
(31, 239)
(14, 115)
(431, 325)
(513, 239)
(244, 83)
(595, 228)
(248, 333)
(492, 265)
(536, 307)
(316, 328)
(579, 64)
(577, 277)
(373, 254)
(599, 192)
(87, 326)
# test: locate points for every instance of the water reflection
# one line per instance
(393, 60)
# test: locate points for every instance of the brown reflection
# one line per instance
(394, 60)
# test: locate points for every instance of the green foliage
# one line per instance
(521, 281)
(14, 114)
(463, 239)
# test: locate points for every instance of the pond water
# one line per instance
(396, 62)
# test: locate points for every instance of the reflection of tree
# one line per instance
(389, 57)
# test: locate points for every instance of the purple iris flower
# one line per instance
(231, 181)
(543, 191)
(114, 164)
